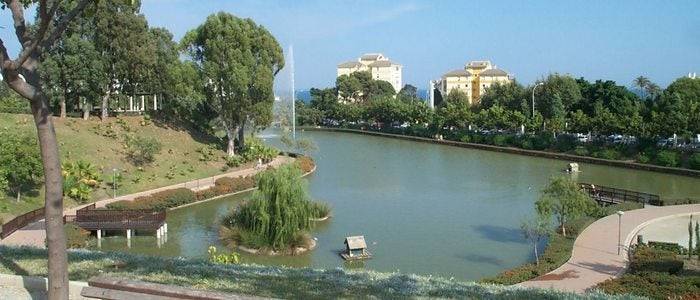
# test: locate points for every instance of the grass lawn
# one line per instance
(102, 144)
(278, 282)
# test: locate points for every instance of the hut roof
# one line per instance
(356, 242)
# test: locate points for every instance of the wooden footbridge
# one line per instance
(99, 220)
(608, 195)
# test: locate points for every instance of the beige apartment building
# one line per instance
(473, 79)
(378, 65)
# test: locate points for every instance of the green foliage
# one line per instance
(76, 237)
(667, 158)
(274, 281)
(11, 102)
(563, 199)
(79, 180)
(223, 258)
(242, 61)
(655, 273)
(142, 150)
(277, 213)
(20, 162)
(694, 161)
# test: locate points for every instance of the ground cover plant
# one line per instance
(268, 281)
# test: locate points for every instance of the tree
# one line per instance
(34, 43)
(510, 95)
(237, 61)
(563, 200)
(690, 237)
(408, 93)
(20, 162)
(642, 83)
(456, 96)
(535, 230)
(557, 96)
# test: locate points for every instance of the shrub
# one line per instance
(500, 140)
(306, 164)
(610, 154)
(76, 237)
(235, 161)
(158, 201)
(319, 210)
(667, 158)
(651, 259)
(694, 161)
(581, 151)
(673, 247)
(277, 213)
(565, 143)
(643, 158)
(142, 150)
(226, 185)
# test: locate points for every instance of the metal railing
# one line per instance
(21, 221)
(610, 195)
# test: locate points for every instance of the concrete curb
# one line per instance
(39, 285)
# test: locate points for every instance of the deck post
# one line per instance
(158, 233)
(165, 227)
(128, 234)
(99, 234)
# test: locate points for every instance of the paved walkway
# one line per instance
(34, 234)
(594, 258)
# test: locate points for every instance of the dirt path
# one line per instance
(594, 258)
(34, 234)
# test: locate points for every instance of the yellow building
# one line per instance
(378, 65)
(473, 79)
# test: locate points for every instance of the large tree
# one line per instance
(563, 200)
(22, 75)
(237, 61)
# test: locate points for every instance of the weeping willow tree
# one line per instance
(278, 212)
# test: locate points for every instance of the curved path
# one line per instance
(34, 234)
(594, 258)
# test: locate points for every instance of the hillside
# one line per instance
(103, 145)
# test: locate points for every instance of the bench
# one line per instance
(103, 287)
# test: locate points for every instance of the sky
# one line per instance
(617, 40)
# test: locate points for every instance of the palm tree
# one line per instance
(642, 83)
(652, 89)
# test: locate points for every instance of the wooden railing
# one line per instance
(21, 221)
(610, 195)
(108, 219)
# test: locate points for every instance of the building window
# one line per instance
(397, 68)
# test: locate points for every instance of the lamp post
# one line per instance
(533, 97)
(619, 230)
(114, 183)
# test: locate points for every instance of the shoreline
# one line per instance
(519, 151)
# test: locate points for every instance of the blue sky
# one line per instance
(616, 40)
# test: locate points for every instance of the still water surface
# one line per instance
(423, 208)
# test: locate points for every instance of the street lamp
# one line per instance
(533, 97)
(619, 229)
(114, 183)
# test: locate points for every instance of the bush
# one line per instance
(673, 247)
(610, 154)
(643, 158)
(500, 140)
(158, 201)
(565, 143)
(581, 151)
(142, 150)
(76, 237)
(694, 161)
(227, 185)
(306, 164)
(667, 158)
(651, 259)
(319, 210)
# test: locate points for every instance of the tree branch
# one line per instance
(45, 19)
(63, 23)
(18, 17)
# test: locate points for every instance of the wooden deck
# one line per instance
(90, 218)
(609, 195)
(346, 256)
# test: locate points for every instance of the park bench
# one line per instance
(103, 287)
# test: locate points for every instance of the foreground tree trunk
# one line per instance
(34, 43)
(241, 135)
(62, 108)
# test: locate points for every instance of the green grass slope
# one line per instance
(103, 145)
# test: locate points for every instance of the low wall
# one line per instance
(513, 150)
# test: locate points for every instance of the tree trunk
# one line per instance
(241, 136)
(62, 105)
(55, 236)
(19, 194)
(105, 106)
(537, 257)
(231, 135)
(86, 112)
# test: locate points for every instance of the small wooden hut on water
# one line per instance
(355, 248)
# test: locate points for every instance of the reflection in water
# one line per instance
(422, 208)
